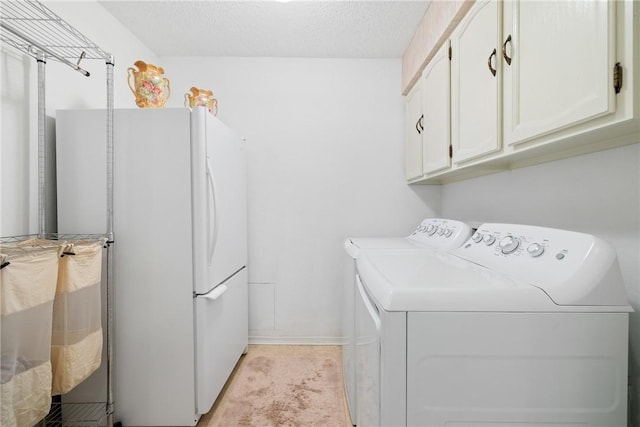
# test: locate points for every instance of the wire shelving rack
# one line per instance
(32, 28)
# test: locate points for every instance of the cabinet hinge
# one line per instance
(617, 77)
(449, 53)
(450, 151)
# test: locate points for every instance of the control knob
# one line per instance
(431, 229)
(509, 244)
(477, 237)
(489, 239)
(535, 249)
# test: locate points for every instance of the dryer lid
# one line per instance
(356, 246)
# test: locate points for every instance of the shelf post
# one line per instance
(110, 239)
(42, 148)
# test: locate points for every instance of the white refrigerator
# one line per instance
(180, 251)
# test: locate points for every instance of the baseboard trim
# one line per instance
(296, 340)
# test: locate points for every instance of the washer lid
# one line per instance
(574, 269)
(414, 281)
(431, 233)
(356, 246)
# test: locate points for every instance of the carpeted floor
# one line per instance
(282, 385)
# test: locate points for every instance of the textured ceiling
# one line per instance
(300, 28)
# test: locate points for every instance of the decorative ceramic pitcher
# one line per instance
(201, 98)
(150, 88)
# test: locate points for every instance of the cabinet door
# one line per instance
(436, 136)
(413, 147)
(475, 89)
(562, 56)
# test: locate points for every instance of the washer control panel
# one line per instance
(511, 241)
(563, 263)
(441, 233)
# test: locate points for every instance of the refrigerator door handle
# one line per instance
(213, 238)
(215, 293)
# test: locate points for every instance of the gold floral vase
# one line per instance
(201, 98)
(150, 87)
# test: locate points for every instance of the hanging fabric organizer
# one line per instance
(76, 331)
(28, 289)
(48, 313)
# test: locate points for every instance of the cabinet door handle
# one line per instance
(504, 50)
(418, 127)
(420, 122)
(493, 70)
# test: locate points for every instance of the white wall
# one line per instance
(65, 88)
(598, 193)
(325, 147)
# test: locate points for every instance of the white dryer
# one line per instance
(431, 235)
(520, 326)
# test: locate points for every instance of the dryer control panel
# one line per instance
(441, 233)
(572, 268)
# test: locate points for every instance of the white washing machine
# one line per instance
(431, 235)
(521, 326)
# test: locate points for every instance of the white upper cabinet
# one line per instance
(436, 136)
(413, 144)
(475, 82)
(528, 82)
(557, 61)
